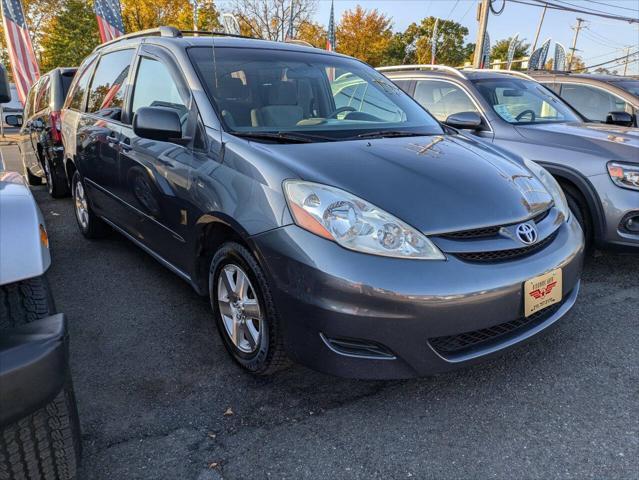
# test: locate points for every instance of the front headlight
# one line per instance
(354, 223)
(551, 185)
(624, 175)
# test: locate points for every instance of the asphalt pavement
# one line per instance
(159, 398)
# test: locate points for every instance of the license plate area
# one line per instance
(542, 291)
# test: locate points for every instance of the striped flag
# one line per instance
(109, 19)
(23, 61)
(330, 41)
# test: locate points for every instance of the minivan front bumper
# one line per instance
(364, 316)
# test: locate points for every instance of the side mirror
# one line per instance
(464, 121)
(13, 120)
(623, 119)
(157, 123)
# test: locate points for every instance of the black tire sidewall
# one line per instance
(233, 253)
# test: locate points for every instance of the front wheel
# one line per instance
(33, 180)
(244, 311)
(56, 182)
(89, 223)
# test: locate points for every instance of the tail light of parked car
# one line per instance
(56, 127)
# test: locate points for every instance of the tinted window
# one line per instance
(261, 90)
(155, 87)
(76, 97)
(524, 101)
(28, 108)
(43, 96)
(442, 99)
(593, 103)
(631, 86)
(67, 79)
(106, 95)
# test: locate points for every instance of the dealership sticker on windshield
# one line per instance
(542, 291)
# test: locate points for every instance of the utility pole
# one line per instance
(482, 18)
(573, 49)
(625, 67)
(541, 21)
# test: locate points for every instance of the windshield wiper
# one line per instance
(391, 133)
(283, 137)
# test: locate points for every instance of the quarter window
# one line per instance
(443, 99)
(593, 103)
(155, 87)
(43, 96)
(106, 96)
(28, 108)
(76, 96)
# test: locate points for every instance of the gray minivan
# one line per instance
(327, 216)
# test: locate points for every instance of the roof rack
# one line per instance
(169, 32)
(514, 73)
(443, 68)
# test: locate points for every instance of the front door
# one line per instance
(155, 175)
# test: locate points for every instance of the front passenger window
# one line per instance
(155, 87)
(593, 103)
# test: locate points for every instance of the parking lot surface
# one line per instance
(159, 398)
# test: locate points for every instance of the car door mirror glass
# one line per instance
(157, 123)
(13, 120)
(623, 119)
(464, 121)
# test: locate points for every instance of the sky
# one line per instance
(602, 39)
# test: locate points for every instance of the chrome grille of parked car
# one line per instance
(465, 342)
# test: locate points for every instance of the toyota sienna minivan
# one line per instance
(328, 217)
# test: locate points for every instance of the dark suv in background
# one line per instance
(598, 97)
(40, 141)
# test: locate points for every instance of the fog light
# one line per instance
(631, 223)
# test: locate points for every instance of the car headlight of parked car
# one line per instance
(551, 185)
(354, 223)
(624, 175)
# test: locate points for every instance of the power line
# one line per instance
(615, 6)
(585, 8)
(623, 57)
(452, 10)
(554, 6)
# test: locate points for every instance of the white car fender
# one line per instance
(24, 244)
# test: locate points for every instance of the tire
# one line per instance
(269, 354)
(579, 208)
(56, 182)
(33, 180)
(90, 225)
(44, 445)
(25, 301)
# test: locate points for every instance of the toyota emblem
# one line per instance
(527, 233)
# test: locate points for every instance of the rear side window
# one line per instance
(106, 95)
(593, 103)
(76, 96)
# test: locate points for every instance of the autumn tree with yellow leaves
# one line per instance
(364, 34)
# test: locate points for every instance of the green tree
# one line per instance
(364, 34)
(499, 51)
(143, 14)
(414, 44)
(70, 36)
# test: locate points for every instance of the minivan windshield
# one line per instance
(262, 93)
(524, 101)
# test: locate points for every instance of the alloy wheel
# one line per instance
(81, 206)
(239, 308)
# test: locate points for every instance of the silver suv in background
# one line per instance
(597, 165)
(599, 98)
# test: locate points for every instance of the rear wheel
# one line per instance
(244, 311)
(45, 444)
(34, 180)
(56, 182)
(89, 223)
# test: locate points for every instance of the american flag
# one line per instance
(330, 41)
(23, 61)
(109, 19)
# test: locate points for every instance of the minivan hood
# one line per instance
(607, 141)
(434, 183)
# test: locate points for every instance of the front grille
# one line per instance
(465, 342)
(489, 231)
(503, 255)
